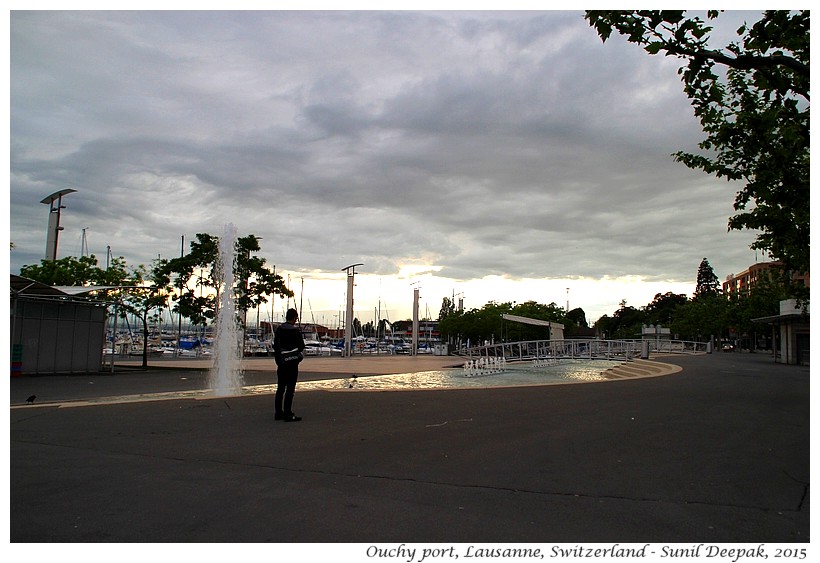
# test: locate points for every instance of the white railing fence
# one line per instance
(581, 349)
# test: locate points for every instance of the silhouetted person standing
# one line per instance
(288, 347)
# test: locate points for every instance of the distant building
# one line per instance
(652, 332)
(750, 277)
(310, 331)
(428, 330)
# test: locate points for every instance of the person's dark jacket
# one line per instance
(288, 344)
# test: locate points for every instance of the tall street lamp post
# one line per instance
(55, 201)
(351, 273)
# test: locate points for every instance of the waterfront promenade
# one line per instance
(717, 452)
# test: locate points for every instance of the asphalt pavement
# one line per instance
(717, 452)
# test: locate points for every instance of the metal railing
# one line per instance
(678, 346)
(581, 349)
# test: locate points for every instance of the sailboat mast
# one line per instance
(301, 299)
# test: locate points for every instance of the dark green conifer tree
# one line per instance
(708, 283)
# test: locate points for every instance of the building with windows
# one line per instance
(751, 276)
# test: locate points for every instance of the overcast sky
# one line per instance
(505, 156)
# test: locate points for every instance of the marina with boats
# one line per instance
(319, 341)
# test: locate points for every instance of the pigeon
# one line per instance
(30, 400)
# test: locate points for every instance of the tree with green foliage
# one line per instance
(255, 281)
(578, 317)
(702, 318)
(707, 313)
(198, 280)
(73, 271)
(448, 307)
(475, 325)
(539, 311)
(752, 100)
(707, 282)
(144, 299)
(625, 323)
(662, 309)
(195, 272)
(487, 325)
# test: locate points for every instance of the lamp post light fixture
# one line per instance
(55, 201)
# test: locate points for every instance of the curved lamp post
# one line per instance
(55, 200)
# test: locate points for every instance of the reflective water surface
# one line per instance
(516, 374)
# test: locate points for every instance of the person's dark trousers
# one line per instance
(286, 377)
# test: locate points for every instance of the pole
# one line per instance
(414, 350)
(84, 244)
(114, 336)
(351, 273)
(349, 317)
(179, 315)
(301, 300)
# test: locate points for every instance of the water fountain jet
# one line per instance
(225, 377)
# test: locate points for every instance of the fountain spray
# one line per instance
(225, 377)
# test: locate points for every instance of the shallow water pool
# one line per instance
(515, 374)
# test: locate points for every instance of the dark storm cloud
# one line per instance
(486, 143)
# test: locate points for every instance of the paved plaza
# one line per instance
(716, 452)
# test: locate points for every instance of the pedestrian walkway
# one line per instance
(717, 452)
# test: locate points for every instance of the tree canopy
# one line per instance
(752, 101)
(82, 271)
(195, 273)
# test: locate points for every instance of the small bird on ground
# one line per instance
(31, 399)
